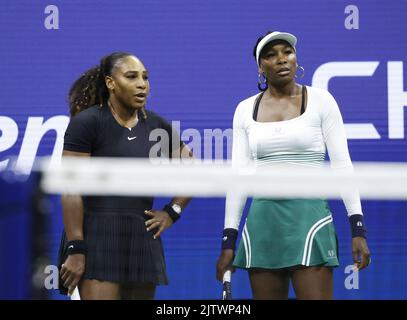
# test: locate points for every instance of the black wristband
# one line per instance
(77, 246)
(171, 212)
(357, 225)
(229, 239)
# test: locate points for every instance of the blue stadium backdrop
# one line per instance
(199, 57)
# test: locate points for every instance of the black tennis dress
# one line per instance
(120, 249)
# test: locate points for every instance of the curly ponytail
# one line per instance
(85, 91)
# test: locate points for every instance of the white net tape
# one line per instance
(130, 177)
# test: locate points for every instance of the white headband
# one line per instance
(276, 35)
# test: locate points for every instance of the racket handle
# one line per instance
(227, 276)
(227, 288)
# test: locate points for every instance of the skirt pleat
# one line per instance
(120, 249)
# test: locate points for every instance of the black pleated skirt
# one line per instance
(120, 249)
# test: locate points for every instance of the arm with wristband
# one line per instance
(235, 202)
(78, 141)
(163, 219)
(335, 139)
(73, 267)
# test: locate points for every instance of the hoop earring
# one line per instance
(261, 80)
(303, 72)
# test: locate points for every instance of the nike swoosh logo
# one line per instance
(70, 247)
(131, 138)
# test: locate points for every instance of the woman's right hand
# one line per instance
(72, 271)
(224, 263)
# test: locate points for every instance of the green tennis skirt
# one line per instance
(284, 233)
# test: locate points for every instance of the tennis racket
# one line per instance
(227, 288)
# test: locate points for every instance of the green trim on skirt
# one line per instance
(284, 233)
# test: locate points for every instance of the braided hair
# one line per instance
(90, 88)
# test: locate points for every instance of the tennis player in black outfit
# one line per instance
(111, 246)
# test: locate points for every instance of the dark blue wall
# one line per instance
(199, 57)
